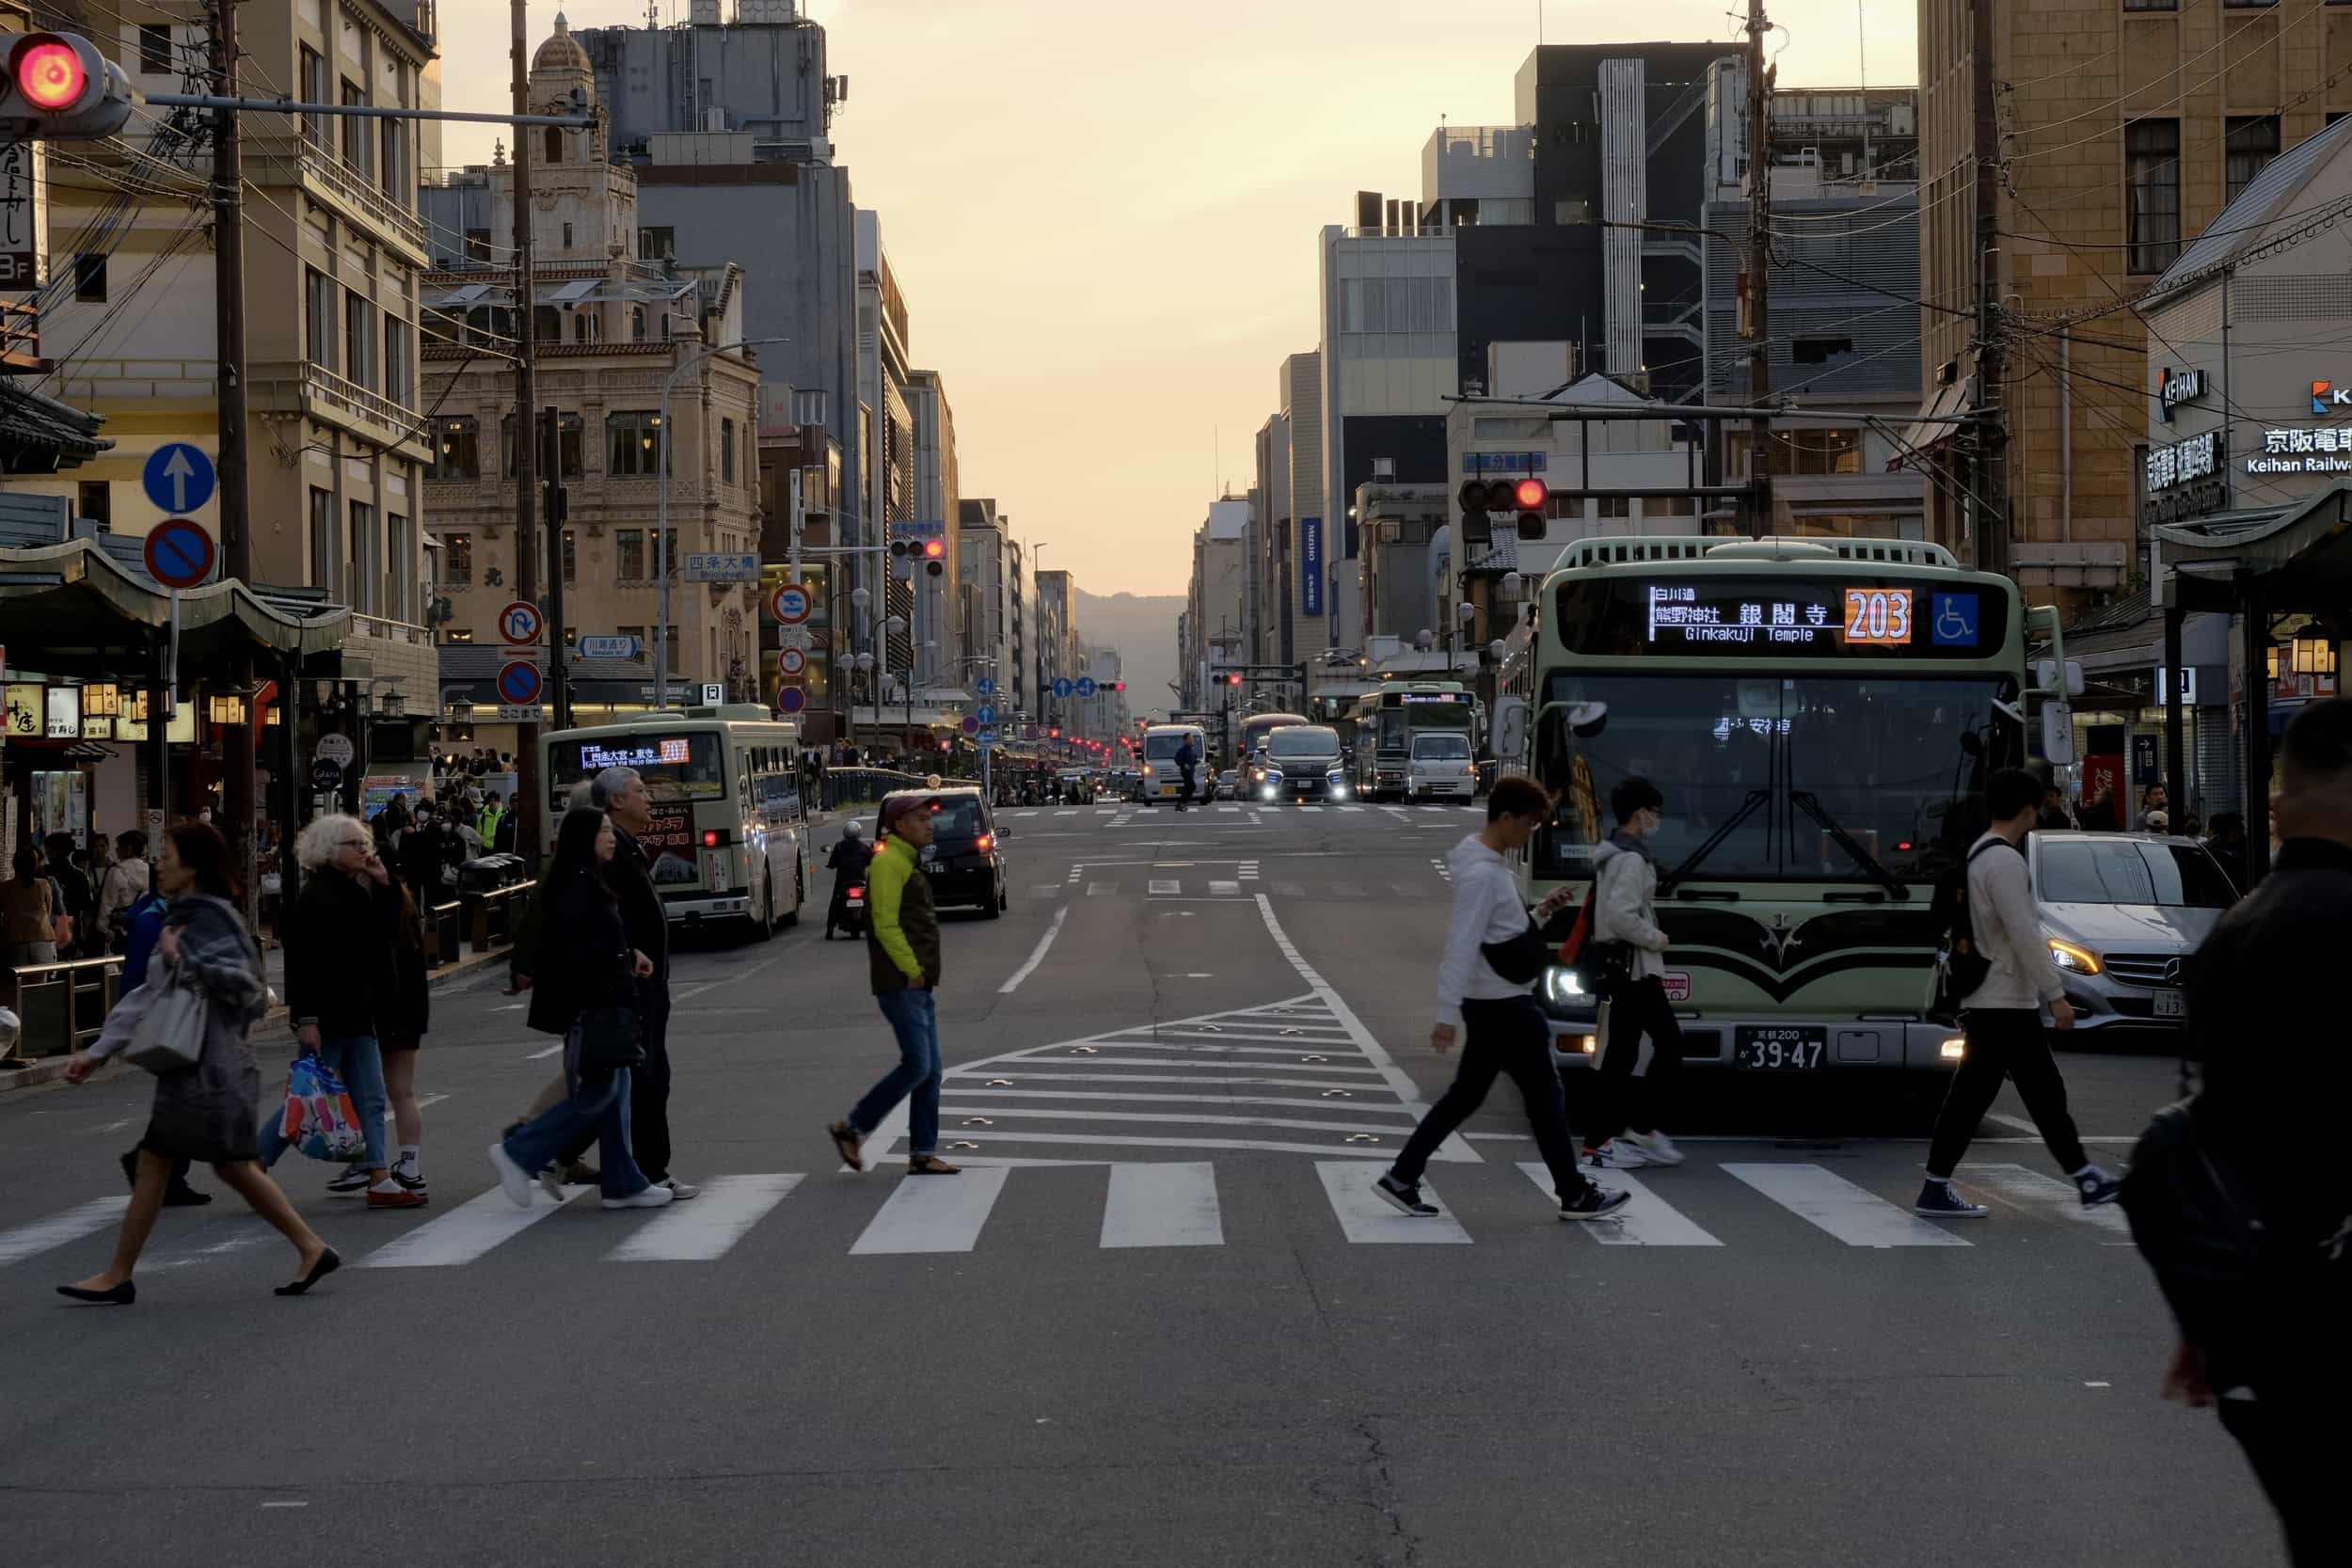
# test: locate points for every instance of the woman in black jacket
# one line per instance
(585, 965)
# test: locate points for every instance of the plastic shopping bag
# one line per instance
(321, 1120)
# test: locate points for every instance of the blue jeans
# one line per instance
(357, 1062)
(598, 1108)
(914, 1019)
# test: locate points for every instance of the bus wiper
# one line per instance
(1805, 801)
(1747, 809)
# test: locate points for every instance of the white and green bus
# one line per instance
(1821, 717)
(729, 837)
(1387, 722)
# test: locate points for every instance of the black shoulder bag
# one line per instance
(609, 1039)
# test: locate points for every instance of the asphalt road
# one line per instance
(1157, 1322)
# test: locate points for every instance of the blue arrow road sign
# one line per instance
(1085, 686)
(1063, 686)
(986, 738)
(985, 712)
(985, 687)
(519, 683)
(179, 478)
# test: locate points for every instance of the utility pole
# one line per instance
(529, 836)
(1990, 502)
(236, 526)
(558, 510)
(1759, 274)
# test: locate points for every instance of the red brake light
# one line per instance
(50, 75)
(710, 838)
(1529, 494)
(988, 842)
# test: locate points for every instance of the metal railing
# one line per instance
(348, 185)
(62, 1005)
(348, 395)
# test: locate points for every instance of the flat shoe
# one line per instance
(181, 1195)
(931, 1164)
(120, 1295)
(328, 1262)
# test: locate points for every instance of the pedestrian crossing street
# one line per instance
(1775, 1205)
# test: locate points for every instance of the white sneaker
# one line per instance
(1616, 1154)
(513, 1178)
(1657, 1149)
(651, 1197)
(680, 1191)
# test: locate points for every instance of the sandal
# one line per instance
(931, 1164)
(848, 1140)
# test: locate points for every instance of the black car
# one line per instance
(1303, 762)
(963, 862)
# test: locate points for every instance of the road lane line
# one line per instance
(2031, 1189)
(1225, 890)
(1099, 890)
(709, 1227)
(1037, 956)
(57, 1230)
(1163, 1204)
(1126, 1096)
(934, 1213)
(1822, 1197)
(1366, 1218)
(1646, 1221)
(541, 1055)
(733, 976)
(466, 1232)
(1163, 885)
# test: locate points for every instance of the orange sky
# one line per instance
(1103, 212)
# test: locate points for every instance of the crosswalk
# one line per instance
(1120, 817)
(1178, 1205)
(1243, 884)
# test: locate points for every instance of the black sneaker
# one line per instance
(411, 1176)
(1594, 1202)
(2096, 1186)
(1404, 1196)
(352, 1181)
(1941, 1200)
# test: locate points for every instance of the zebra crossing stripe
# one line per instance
(1163, 885)
(466, 1232)
(57, 1230)
(706, 1228)
(1646, 1221)
(934, 1213)
(2030, 1189)
(1365, 1217)
(1824, 1199)
(1159, 1204)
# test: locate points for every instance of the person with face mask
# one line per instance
(1624, 1133)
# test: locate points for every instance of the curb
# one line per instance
(51, 1069)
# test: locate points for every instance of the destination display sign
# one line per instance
(1750, 617)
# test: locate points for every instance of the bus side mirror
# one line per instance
(1510, 742)
(2046, 678)
(2057, 735)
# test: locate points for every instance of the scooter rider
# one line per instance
(848, 860)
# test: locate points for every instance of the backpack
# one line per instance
(1959, 968)
(1599, 967)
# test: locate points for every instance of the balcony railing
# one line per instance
(356, 190)
(325, 386)
(391, 631)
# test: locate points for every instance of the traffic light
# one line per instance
(1527, 497)
(1233, 680)
(1119, 685)
(59, 88)
(933, 550)
(1054, 733)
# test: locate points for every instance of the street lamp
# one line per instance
(661, 529)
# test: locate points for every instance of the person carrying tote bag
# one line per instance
(208, 1109)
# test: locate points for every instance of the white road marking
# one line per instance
(1309, 808)
(1037, 956)
(1163, 884)
(733, 976)
(57, 1230)
(1097, 890)
(205, 1255)
(1225, 890)
(1296, 1124)
(1071, 812)
(1822, 1198)
(706, 1228)
(286, 1505)
(540, 1055)
(1288, 889)
(1043, 890)
(1159, 1204)
(1644, 1221)
(934, 1213)
(1167, 1078)
(1347, 890)
(430, 1099)
(466, 1232)
(2031, 1189)
(2015, 1124)
(1228, 808)
(1366, 1218)
(1125, 1096)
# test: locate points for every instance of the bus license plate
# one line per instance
(1789, 1046)
(2170, 1005)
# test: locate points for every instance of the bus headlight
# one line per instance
(1954, 1048)
(1560, 985)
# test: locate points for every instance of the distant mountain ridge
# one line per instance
(1143, 628)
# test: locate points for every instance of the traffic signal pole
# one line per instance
(531, 831)
(1759, 274)
(236, 530)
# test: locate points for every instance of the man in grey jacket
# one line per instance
(2002, 1017)
(1625, 909)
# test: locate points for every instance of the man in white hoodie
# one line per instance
(1505, 1028)
(2002, 1017)
(1625, 909)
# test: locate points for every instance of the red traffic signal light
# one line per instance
(935, 549)
(1530, 494)
(1233, 680)
(48, 73)
(1054, 733)
(1119, 685)
(60, 88)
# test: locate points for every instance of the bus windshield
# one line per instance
(1897, 766)
(676, 767)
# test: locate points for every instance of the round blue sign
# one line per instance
(790, 699)
(985, 714)
(519, 683)
(177, 477)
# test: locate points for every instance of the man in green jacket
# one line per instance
(902, 949)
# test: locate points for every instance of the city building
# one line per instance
(1293, 564)
(1057, 642)
(2125, 129)
(886, 416)
(334, 256)
(988, 572)
(1404, 530)
(809, 452)
(1021, 610)
(1216, 597)
(614, 335)
(938, 610)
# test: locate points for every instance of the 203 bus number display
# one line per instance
(1880, 616)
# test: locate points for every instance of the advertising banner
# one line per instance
(1311, 566)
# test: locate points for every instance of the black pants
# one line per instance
(2300, 1472)
(1183, 791)
(2004, 1043)
(1509, 1035)
(1621, 1100)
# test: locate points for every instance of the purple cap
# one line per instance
(898, 805)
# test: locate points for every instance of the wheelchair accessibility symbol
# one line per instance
(1952, 620)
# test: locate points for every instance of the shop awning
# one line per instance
(72, 609)
(2298, 557)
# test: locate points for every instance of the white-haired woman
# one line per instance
(342, 979)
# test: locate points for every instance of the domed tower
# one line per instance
(563, 82)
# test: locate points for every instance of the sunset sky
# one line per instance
(1103, 213)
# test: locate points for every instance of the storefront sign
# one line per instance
(65, 714)
(2293, 450)
(1311, 566)
(2174, 388)
(2185, 462)
(25, 708)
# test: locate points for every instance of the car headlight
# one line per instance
(2074, 959)
(1560, 985)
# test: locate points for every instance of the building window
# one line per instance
(478, 245)
(155, 48)
(323, 539)
(636, 632)
(457, 448)
(358, 576)
(457, 560)
(2152, 179)
(567, 236)
(2252, 142)
(356, 137)
(318, 331)
(670, 645)
(571, 559)
(1612, 506)
(94, 499)
(314, 91)
(359, 340)
(89, 280)
(399, 571)
(394, 157)
(568, 441)
(555, 144)
(726, 452)
(657, 245)
(398, 362)
(1819, 351)
(1573, 212)
(669, 553)
(584, 326)
(628, 555)
(2152, 5)
(457, 634)
(632, 444)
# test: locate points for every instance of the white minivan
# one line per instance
(1441, 767)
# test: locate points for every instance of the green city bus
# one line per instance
(1821, 717)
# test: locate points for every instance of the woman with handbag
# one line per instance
(207, 1108)
(583, 988)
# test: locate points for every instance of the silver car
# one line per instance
(2122, 914)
